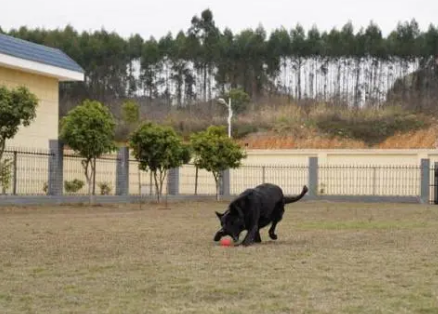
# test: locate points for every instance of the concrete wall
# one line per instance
(45, 126)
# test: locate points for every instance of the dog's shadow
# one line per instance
(276, 243)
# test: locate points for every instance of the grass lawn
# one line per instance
(329, 258)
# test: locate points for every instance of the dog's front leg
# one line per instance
(258, 238)
(253, 228)
(218, 235)
(249, 238)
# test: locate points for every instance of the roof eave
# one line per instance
(61, 74)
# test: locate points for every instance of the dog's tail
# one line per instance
(292, 199)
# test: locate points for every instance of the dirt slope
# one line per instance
(426, 138)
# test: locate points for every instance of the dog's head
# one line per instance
(232, 223)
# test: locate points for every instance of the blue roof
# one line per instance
(42, 54)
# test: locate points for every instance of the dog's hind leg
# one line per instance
(272, 234)
(279, 210)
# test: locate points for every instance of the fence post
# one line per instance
(173, 181)
(425, 181)
(313, 176)
(122, 172)
(56, 168)
(14, 183)
(435, 197)
(225, 183)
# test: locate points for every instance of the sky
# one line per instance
(157, 18)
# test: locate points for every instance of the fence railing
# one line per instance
(60, 172)
(26, 173)
(103, 184)
(369, 180)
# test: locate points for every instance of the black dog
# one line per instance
(254, 209)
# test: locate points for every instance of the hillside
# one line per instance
(318, 126)
(425, 138)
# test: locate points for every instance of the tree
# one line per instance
(130, 112)
(298, 53)
(89, 130)
(250, 60)
(158, 149)
(204, 29)
(356, 66)
(226, 63)
(179, 56)
(151, 65)
(278, 49)
(215, 152)
(134, 48)
(239, 99)
(17, 108)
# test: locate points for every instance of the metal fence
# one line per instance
(25, 172)
(29, 174)
(103, 184)
(369, 180)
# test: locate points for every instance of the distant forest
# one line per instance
(347, 66)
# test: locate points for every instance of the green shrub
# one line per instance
(46, 187)
(105, 188)
(282, 125)
(243, 129)
(239, 101)
(73, 186)
(5, 175)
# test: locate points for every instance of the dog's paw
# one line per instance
(247, 242)
(273, 236)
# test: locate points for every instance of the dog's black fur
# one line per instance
(254, 209)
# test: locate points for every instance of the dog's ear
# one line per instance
(219, 215)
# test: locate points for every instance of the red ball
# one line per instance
(226, 242)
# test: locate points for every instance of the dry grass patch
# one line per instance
(330, 258)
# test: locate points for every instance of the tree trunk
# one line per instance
(2, 147)
(356, 87)
(88, 176)
(157, 187)
(218, 187)
(93, 170)
(299, 78)
(162, 177)
(90, 195)
(218, 197)
(204, 84)
(93, 176)
(338, 80)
